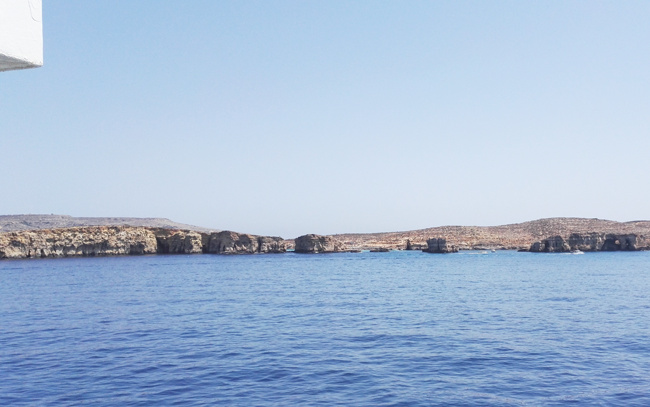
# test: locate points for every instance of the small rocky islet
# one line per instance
(25, 239)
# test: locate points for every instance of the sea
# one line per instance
(347, 329)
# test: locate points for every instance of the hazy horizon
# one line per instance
(334, 233)
(286, 118)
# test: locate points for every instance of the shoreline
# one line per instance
(97, 241)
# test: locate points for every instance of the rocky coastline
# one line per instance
(126, 240)
(439, 245)
(591, 242)
(317, 244)
(516, 236)
(568, 234)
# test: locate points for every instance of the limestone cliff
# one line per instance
(551, 245)
(86, 241)
(414, 246)
(514, 236)
(269, 244)
(439, 245)
(592, 242)
(126, 240)
(173, 241)
(227, 242)
(317, 244)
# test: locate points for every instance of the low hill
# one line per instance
(513, 236)
(14, 223)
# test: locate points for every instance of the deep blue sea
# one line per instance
(368, 329)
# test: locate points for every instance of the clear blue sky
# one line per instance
(295, 117)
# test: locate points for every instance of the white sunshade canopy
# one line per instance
(21, 34)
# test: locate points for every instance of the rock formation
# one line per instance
(86, 241)
(439, 245)
(125, 240)
(172, 241)
(227, 242)
(551, 245)
(591, 242)
(511, 237)
(268, 244)
(414, 246)
(317, 244)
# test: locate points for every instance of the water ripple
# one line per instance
(396, 329)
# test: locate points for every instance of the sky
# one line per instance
(294, 117)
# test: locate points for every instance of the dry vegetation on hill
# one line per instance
(514, 236)
(15, 223)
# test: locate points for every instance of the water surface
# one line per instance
(399, 328)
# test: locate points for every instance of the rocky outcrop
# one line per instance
(591, 242)
(126, 240)
(586, 242)
(268, 244)
(624, 242)
(318, 244)
(173, 241)
(551, 245)
(227, 242)
(415, 246)
(72, 242)
(439, 245)
(514, 236)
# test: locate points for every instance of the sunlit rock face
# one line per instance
(228, 242)
(72, 242)
(317, 244)
(127, 240)
(271, 244)
(172, 241)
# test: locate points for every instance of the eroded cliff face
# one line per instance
(318, 244)
(586, 242)
(126, 240)
(591, 242)
(439, 245)
(269, 244)
(552, 244)
(415, 246)
(86, 241)
(172, 241)
(512, 237)
(227, 242)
